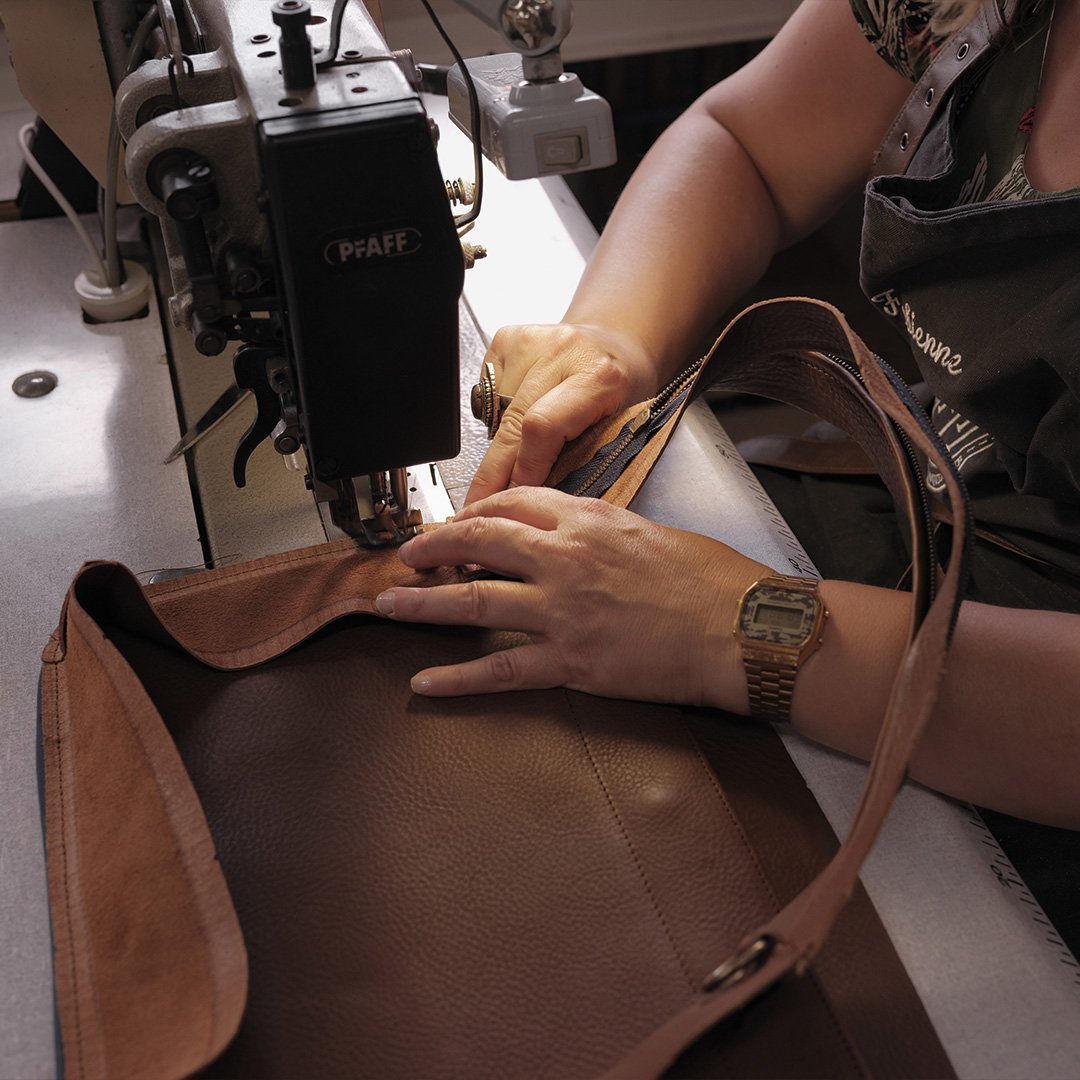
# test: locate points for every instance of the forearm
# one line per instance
(651, 276)
(1006, 731)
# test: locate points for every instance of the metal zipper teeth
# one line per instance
(909, 449)
(672, 389)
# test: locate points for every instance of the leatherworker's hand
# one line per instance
(563, 379)
(614, 604)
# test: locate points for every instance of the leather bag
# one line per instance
(267, 858)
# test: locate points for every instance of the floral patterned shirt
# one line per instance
(995, 123)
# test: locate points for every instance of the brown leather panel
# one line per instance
(835, 457)
(665, 863)
(872, 1001)
(346, 839)
(295, 593)
(123, 825)
(462, 888)
(407, 912)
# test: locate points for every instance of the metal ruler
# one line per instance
(1008, 877)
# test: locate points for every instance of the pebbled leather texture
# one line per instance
(267, 858)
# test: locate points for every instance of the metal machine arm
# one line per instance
(305, 219)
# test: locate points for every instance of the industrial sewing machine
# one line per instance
(291, 163)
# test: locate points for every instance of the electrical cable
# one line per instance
(47, 183)
(474, 122)
(327, 56)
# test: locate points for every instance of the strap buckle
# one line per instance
(741, 965)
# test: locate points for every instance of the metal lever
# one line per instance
(222, 407)
(250, 372)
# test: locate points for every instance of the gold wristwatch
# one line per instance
(780, 623)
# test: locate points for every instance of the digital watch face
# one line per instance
(778, 616)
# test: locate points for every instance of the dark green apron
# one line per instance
(988, 296)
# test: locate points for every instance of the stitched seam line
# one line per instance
(837, 1023)
(813, 976)
(68, 919)
(227, 574)
(630, 847)
(719, 791)
(316, 621)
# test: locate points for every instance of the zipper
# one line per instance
(630, 430)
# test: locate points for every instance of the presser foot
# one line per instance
(373, 510)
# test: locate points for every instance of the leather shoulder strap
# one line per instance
(971, 46)
(789, 330)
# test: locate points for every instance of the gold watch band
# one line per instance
(770, 684)
(779, 624)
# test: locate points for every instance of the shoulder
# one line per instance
(900, 31)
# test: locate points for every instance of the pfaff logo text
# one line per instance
(348, 250)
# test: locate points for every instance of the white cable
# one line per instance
(46, 182)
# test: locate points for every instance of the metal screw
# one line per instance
(245, 280)
(472, 252)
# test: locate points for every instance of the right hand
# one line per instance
(563, 378)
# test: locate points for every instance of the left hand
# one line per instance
(614, 604)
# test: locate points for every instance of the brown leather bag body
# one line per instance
(268, 858)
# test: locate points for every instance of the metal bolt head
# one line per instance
(284, 11)
(35, 384)
(210, 342)
(245, 280)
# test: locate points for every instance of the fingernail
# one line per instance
(420, 684)
(403, 552)
(384, 603)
